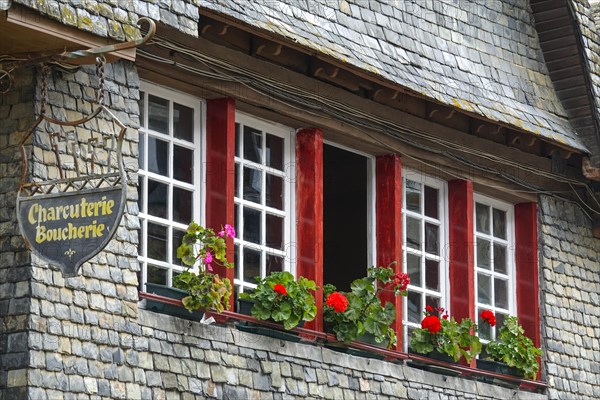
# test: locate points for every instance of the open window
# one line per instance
(347, 216)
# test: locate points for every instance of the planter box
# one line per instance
(245, 307)
(500, 368)
(170, 309)
(434, 355)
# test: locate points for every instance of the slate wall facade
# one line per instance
(570, 300)
(16, 115)
(85, 337)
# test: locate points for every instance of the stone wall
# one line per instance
(69, 332)
(16, 115)
(179, 359)
(570, 301)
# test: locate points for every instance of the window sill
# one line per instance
(310, 336)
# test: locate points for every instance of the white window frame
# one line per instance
(289, 213)
(442, 259)
(510, 256)
(199, 196)
(371, 199)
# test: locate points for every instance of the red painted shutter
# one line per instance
(389, 225)
(461, 249)
(220, 151)
(526, 258)
(309, 211)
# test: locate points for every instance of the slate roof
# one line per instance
(480, 56)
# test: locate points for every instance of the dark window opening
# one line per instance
(345, 210)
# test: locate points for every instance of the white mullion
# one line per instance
(261, 167)
(258, 207)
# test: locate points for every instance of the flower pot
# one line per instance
(170, 309)
(245, 307)
(500, 368)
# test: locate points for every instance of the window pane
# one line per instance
(182, 205)
(237, 140)
(236, 216)
(499, 223)
(158, 156)
(157, 275)
(433, 301)
(413, 264)
(142, 151)
(500, 320)
(274, 231)
(183, 164)
(141, 244)
(501, 293)
(140, 189)
(432, 275)
(414, 307)
(275, 152)
(158, 194)
(252, 144)
(483, 253)
(500, 258)
(236, 261)
(252, 231)
(432, 236)
(183, 122)
(177, 239)
(484, 289)
(274, 191)
(237, 180)
(158, 114)
(413, 196)
(413, 233)
(251, 265)
(431, 202)
(252, 185)
(484, 329)
(157, 241)
(274, 263)
(482, 217)
(142, 110)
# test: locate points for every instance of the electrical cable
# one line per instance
(305, 100)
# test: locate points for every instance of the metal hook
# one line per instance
(116, 47)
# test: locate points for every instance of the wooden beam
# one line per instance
(377, 110)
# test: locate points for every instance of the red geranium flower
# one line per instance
(428, 309)
(279, 288)
(337, 301)
(431, 323)
(488, 317)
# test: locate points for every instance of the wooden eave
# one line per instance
(26, 34)
(262, 57)
(560, 40)
(344, 75)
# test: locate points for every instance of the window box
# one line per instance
(169, 309)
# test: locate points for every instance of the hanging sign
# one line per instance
(71, 214)
(69, 228)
